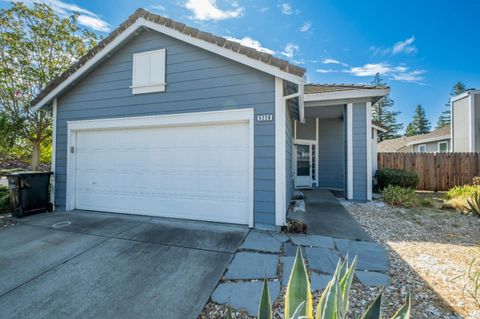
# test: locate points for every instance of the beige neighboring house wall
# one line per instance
(476, 127)
(461, 124)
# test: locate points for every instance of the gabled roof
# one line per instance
(144, 19)
(398, 144)
(440, 134)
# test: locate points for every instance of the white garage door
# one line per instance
(194, 172)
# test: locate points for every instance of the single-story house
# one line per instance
(162, 119)
(437, 141)
(465, 110)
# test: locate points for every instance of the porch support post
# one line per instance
(54, 152)
(280, 155)
(369, 149)
(349, 151)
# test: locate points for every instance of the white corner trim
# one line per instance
(350, 94)
(280, 178)
(350, 151)
(472, 122)
(54, 152)
(214, 117)
(369, 149)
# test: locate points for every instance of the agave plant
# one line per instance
(334, 301)
(474, 204)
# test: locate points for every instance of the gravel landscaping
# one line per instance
(6, 221)
(428, 249)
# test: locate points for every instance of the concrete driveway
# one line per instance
(97, 265)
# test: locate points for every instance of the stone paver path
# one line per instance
(270, 255)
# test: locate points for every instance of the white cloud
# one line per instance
(307, 25)
(405, 46)
(208, 10)
(290, 50)
(333, 61)
(264, 9)
(286, 8)
(397, 73)
(326, 71)
(249, 42)
(157, 7)
(86, 18)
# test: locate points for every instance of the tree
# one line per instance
(420, 123)
(446, 118)
(382, 113)
(37, 46)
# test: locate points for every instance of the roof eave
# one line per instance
(347, 94)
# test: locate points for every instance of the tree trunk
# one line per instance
(35, 155)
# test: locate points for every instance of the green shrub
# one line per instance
(463, 192)
(4, 200)
(400, 196)
(396, 177)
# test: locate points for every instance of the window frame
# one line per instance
(422, 145)
(438, 146)
(150, 87)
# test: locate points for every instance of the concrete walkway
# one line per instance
(326, 216)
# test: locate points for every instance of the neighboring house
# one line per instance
(466, 121)
(437, 141)
(162, 119)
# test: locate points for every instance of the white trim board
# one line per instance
(215, 117)
(142, 22)
(350, 151)
(427, 140)
(280, 160)
(369, 149)
(350, 94)
(54, 152)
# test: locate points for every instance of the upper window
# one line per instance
(422, 148)
(148, 72)
(442, 147)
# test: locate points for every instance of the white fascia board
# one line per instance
(427, 140)
(350, 94)
(464, 95)
(280, 160)
(141, 22)
(378, 128)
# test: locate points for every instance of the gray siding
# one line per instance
(432, 147)
(288, 157)
(331, 164)
(359, 151)
(197, 80)
(306, 131)
(461, 125)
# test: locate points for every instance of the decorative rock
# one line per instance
(247, 265)
(244, 295)
(287, 268)
(319, 281)
(290, 249)
(280, 236)
(322, 259)
(312, 240)
(298, 195)
(371, 278)
(370, 255)
(261, 241)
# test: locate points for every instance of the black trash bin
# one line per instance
(29, 193)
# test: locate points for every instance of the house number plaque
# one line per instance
(264, 117)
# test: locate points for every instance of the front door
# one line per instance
(303, 176)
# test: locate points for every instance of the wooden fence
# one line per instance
(437, 171)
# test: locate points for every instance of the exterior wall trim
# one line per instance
(280, 140)
(349, 151)
(472, 122)
(369, 149)
(213, 117)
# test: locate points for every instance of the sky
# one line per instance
(421, 48)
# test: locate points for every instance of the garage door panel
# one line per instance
(194, 172)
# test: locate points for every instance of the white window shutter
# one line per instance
(141, 65)
(148, 72)
(157, 67)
